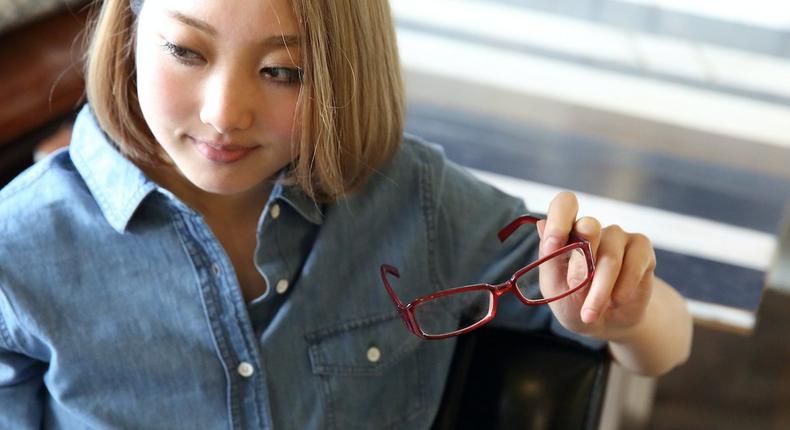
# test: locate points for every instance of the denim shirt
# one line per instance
(120, 309)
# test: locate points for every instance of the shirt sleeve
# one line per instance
(21, 381)
(470, 214)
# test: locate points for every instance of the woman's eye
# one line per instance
(181, 54)
(283, 75)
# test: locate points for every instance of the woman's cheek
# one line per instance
(158, 86)
(171, 94)
(284, 120)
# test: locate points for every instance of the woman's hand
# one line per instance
(615, 302)
(645, 321)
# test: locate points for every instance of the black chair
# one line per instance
(505, 379)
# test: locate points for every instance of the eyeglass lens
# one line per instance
(564, 271)
(450, 313)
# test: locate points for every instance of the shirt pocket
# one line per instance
(372, 373)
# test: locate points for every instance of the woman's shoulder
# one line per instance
(417, 154)
(422, 179)
(446, 182)
(39, 196)
(426, 164)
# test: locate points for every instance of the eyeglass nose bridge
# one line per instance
(510, 285)
(500, 289)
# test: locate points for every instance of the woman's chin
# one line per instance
(222, 188)
(228, 186)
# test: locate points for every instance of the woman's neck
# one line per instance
(242, 208)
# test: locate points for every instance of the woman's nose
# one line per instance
(228, 105)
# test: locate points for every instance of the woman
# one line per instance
(208, 248)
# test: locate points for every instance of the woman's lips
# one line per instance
(222, 153)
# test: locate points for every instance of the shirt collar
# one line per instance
(117, 185)
(295, 197)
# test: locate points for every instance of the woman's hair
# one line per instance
(351, 107)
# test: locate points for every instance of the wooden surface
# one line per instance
(732, 382)
(40, 73)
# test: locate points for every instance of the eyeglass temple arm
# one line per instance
(516, 223)
(386, 269)
(528, 219)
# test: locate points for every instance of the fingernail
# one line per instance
(589, 315)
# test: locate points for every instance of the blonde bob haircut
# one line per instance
(350, 110)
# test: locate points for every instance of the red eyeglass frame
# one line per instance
(406, 311)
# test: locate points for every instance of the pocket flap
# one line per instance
(364, 346)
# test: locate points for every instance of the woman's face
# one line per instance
(218, 83)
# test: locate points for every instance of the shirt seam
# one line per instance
(134, 203)
(212, 247)
(97, 193)
(429, 212)
(350, 325)
(112, 212)
(210, 301)
(5, 333)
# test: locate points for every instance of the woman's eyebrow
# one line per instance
(281, 41)
(276, 41)
(193, 22)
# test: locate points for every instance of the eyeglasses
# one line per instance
(460, 310)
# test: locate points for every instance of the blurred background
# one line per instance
(669, 117)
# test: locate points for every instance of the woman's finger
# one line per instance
(559, 221)
(609, 262)
(589, 229)
(639, 261)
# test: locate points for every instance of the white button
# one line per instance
(245, 369)
(282, 286)
(275, 211)
(215, 268)
(374, 354)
